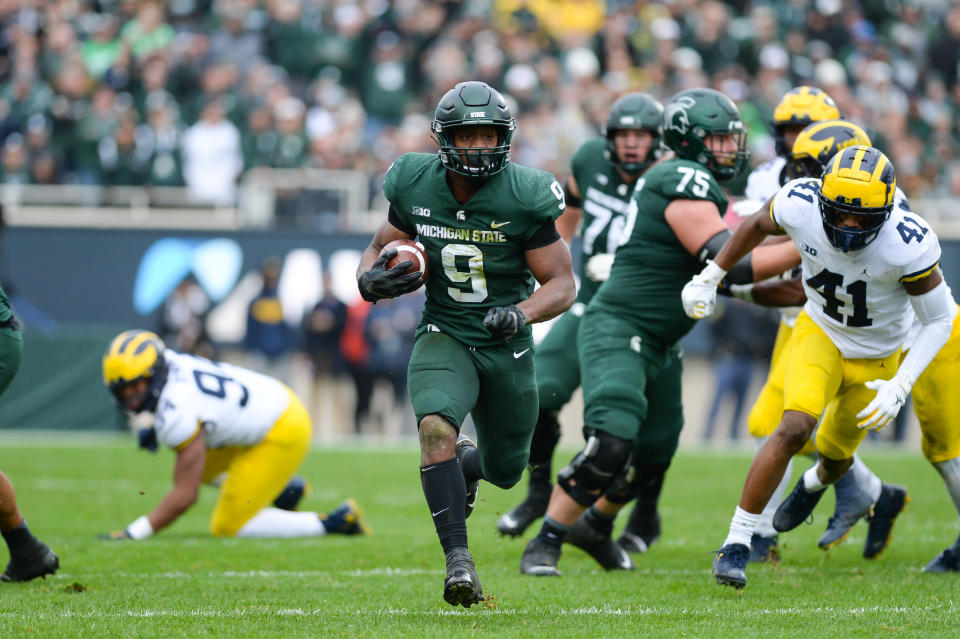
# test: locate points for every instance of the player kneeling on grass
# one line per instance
(221, 420)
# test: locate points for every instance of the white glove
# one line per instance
(598, 267)
(699, 295)
(891, 395)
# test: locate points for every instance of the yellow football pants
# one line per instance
(257, 474)
(935, 401)
(820, 381)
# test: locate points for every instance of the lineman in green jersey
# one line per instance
(29, 557)
(604, 171)
(489, 230)
(628, 335)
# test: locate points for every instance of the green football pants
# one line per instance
(631, 387)
(495, 384)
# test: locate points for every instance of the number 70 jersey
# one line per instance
(857, 297)
(236, 406)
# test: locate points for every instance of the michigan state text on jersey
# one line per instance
(488, 228)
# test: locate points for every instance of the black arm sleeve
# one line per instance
(739, 273)
(570, 198)
(394, 218)
(543, 236)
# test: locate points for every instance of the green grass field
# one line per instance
(183, 583)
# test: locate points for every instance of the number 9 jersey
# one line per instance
(857, 297)
(235, 406)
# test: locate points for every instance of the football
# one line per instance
(408, 250)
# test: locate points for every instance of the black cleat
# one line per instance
(515, 521)
(729, 566)
(464, 444)
(796, 508)
(294, 491)
(947, 561)
(853, 504)
(462, 586)
(764, 549)
(599, 545)
(36, 561)
(642, 530)
(540, 559)
(893, 499)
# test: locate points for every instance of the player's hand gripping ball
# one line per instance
(408, 251)
(400, 268)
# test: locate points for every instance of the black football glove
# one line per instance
(380, 282)
(504, 322)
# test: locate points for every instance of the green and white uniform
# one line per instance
(604, 196)
(629, 356)
(476, 253)
(11, 343)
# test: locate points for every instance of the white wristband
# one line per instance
(712, 273)
(140, 529)
(742, 291)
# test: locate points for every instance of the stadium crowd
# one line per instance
(195, 92)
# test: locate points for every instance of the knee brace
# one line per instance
(642, 482)
(595, 467)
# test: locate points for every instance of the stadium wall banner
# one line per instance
(74, 289)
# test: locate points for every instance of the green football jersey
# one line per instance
(475, 250)
(652, 266)
(604, 196)
(5, 312)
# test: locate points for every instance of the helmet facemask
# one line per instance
(725, 165)
(847, 238)
(477, 162)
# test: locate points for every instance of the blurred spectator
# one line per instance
(182, 319)
(268, 339)
(322, 331)
(356, 352)
(742, 335)
(212, 157)
(124, 161)
(331, 84)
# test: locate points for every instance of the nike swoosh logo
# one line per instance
(517, 355)
(440, 512)
(496, 225)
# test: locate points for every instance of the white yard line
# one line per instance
(592, 611)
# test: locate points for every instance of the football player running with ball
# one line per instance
(29, 557)
(604, 172)
(229, 426)
(628, 336)
(866, 262)
(488, 226)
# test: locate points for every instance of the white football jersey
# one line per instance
(234, 405)
(764, 181)
(857, 298)
(762, 184)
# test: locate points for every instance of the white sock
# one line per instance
(741, 527)
(764, 525)
(866, 479)
(811, 481)
(950, 472)
(273, 522)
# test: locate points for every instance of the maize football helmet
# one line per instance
(799, 107)
(470, 104)
(639, 111)
(820, 141)
(130, 357)
(859, 180)
(691, 116)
